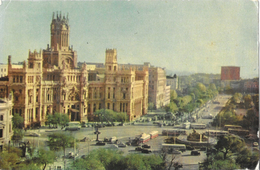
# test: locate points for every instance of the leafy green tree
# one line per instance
(60, 141)
(173, 95)
(248, 101)
(18, 135)
(228, 144)
(17, 121)
(212, 87)
(250, 120)
(64, 119)
(10, 157)
(201, 87)
(44, 157)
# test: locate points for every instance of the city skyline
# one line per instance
(182, 36)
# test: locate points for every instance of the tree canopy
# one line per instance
(60, 141)
(17, 121)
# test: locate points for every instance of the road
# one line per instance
(123, 133)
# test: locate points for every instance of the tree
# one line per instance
(201, 87)
(17, 121)
(250, 120)
(10, 157)
(64, 119)
(212, 87)
(248, 101)
(18, 135)
(173, 95)
(87, 164)
(228, 144)
(59, 141)
(150, 106)
(44, 157)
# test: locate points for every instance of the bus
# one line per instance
(154, 134)
(226, 127)
(173, 147)
(144, 138)
(216, 133)
(197, 126)
(239, 132)
(173, 132)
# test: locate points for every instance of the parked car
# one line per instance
(195, 153)
(146, 146)
(188, 147)
(146, 151)
(100, 143)
(34, 134)
(138, 148)
(121, 145)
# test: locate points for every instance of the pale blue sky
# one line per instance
(191, 36)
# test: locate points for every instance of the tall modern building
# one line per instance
(50, 82)
(230, 73)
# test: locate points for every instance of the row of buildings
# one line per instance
(50, 81)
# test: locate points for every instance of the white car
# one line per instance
(121, 145)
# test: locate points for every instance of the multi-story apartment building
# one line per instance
(6, 130)
(50, 82)
(157, 87)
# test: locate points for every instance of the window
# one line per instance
(1, 117)
(21, 79)
(108, 105)
(1, 133)
(114, 68)
(109, 67)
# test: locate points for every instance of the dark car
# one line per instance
(195, 153)
(146, 151)
(100, 143)
(138, 148)
(188, 147)
(146, 146)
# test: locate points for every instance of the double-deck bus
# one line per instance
(239, 132)
(226, 127)
(197, 126)
(171, 147)
(216, 133)
(173, 132)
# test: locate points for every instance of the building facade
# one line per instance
(172, 81)
(230, 73)
(6, 130)
(50, 82)
(3, 70)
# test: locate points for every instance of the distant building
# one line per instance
(3, 70)
(172, 81)
(230, 73)
(6, 131)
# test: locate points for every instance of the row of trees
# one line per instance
(196, 97)
(232, 153)
(111, 116)
(228, 114)
(57, 119)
